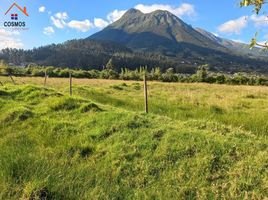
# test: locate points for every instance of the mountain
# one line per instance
(157, 39)
(163, 33)
(159, 30)
(234, 46)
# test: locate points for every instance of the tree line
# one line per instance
(92, 54)
(155, 74)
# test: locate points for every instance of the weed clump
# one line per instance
(42, 194)
(84, 151)
(158, 134)
(33, 93)
(119, 86)
(216, 110)
(137, 122)
(116, 87)
(66, 104)
(39, 190)
(3, 93)
(251, 96)
(18, 114)
(136, 86)
(90, 107)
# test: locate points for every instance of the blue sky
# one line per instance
(55, 21)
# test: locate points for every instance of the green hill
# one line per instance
(58, 147)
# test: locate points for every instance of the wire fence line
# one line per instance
(146, 105)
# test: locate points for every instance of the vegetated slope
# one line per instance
(159, 29)
(59, 147)
(85, 54)
(156, 39)
(164, 33)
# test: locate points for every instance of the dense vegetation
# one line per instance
(164, 33)
(202, 74)
(91, 54)
(199, 142)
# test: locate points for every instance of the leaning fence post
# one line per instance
(145, 94)
(45, 82)
(1, 83)
(71, 84)
(10, 76)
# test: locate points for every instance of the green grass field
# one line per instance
(199, 141)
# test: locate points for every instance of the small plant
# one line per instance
(67, 104)
(90, 107)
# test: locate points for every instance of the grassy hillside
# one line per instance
(199, 142)
(238, 106)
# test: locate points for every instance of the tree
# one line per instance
(6, 69)
(169, 76)
(202, 73)
(110, 65)
(155, 73)
(258, 5)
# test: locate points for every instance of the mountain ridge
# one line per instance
(137, 27)
(233, 45)
(164, 33)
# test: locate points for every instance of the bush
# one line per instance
(108, 74)
(201, 75)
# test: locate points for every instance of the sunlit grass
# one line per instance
(199, 141)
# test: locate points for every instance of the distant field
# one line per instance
(199, 141)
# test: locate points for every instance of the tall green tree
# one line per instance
(110, 65)
(202, 73)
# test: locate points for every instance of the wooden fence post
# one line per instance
(71, 84)
(45, 82)
(10, 76)
(1, 83)
(145, 94)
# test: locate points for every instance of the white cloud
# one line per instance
(261, 20)
(234, 26)
(42, 9)
(59, 20)
(9, 39)
(263, 43)
(83, 26)
(115, 15)
(184, 9)
(5, 33)
(180, 11)
(61, 15)
(11, 43)
(100, 23)
(48, 30)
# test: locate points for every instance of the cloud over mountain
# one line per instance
(234, 26)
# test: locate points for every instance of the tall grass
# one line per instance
(198, 142)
